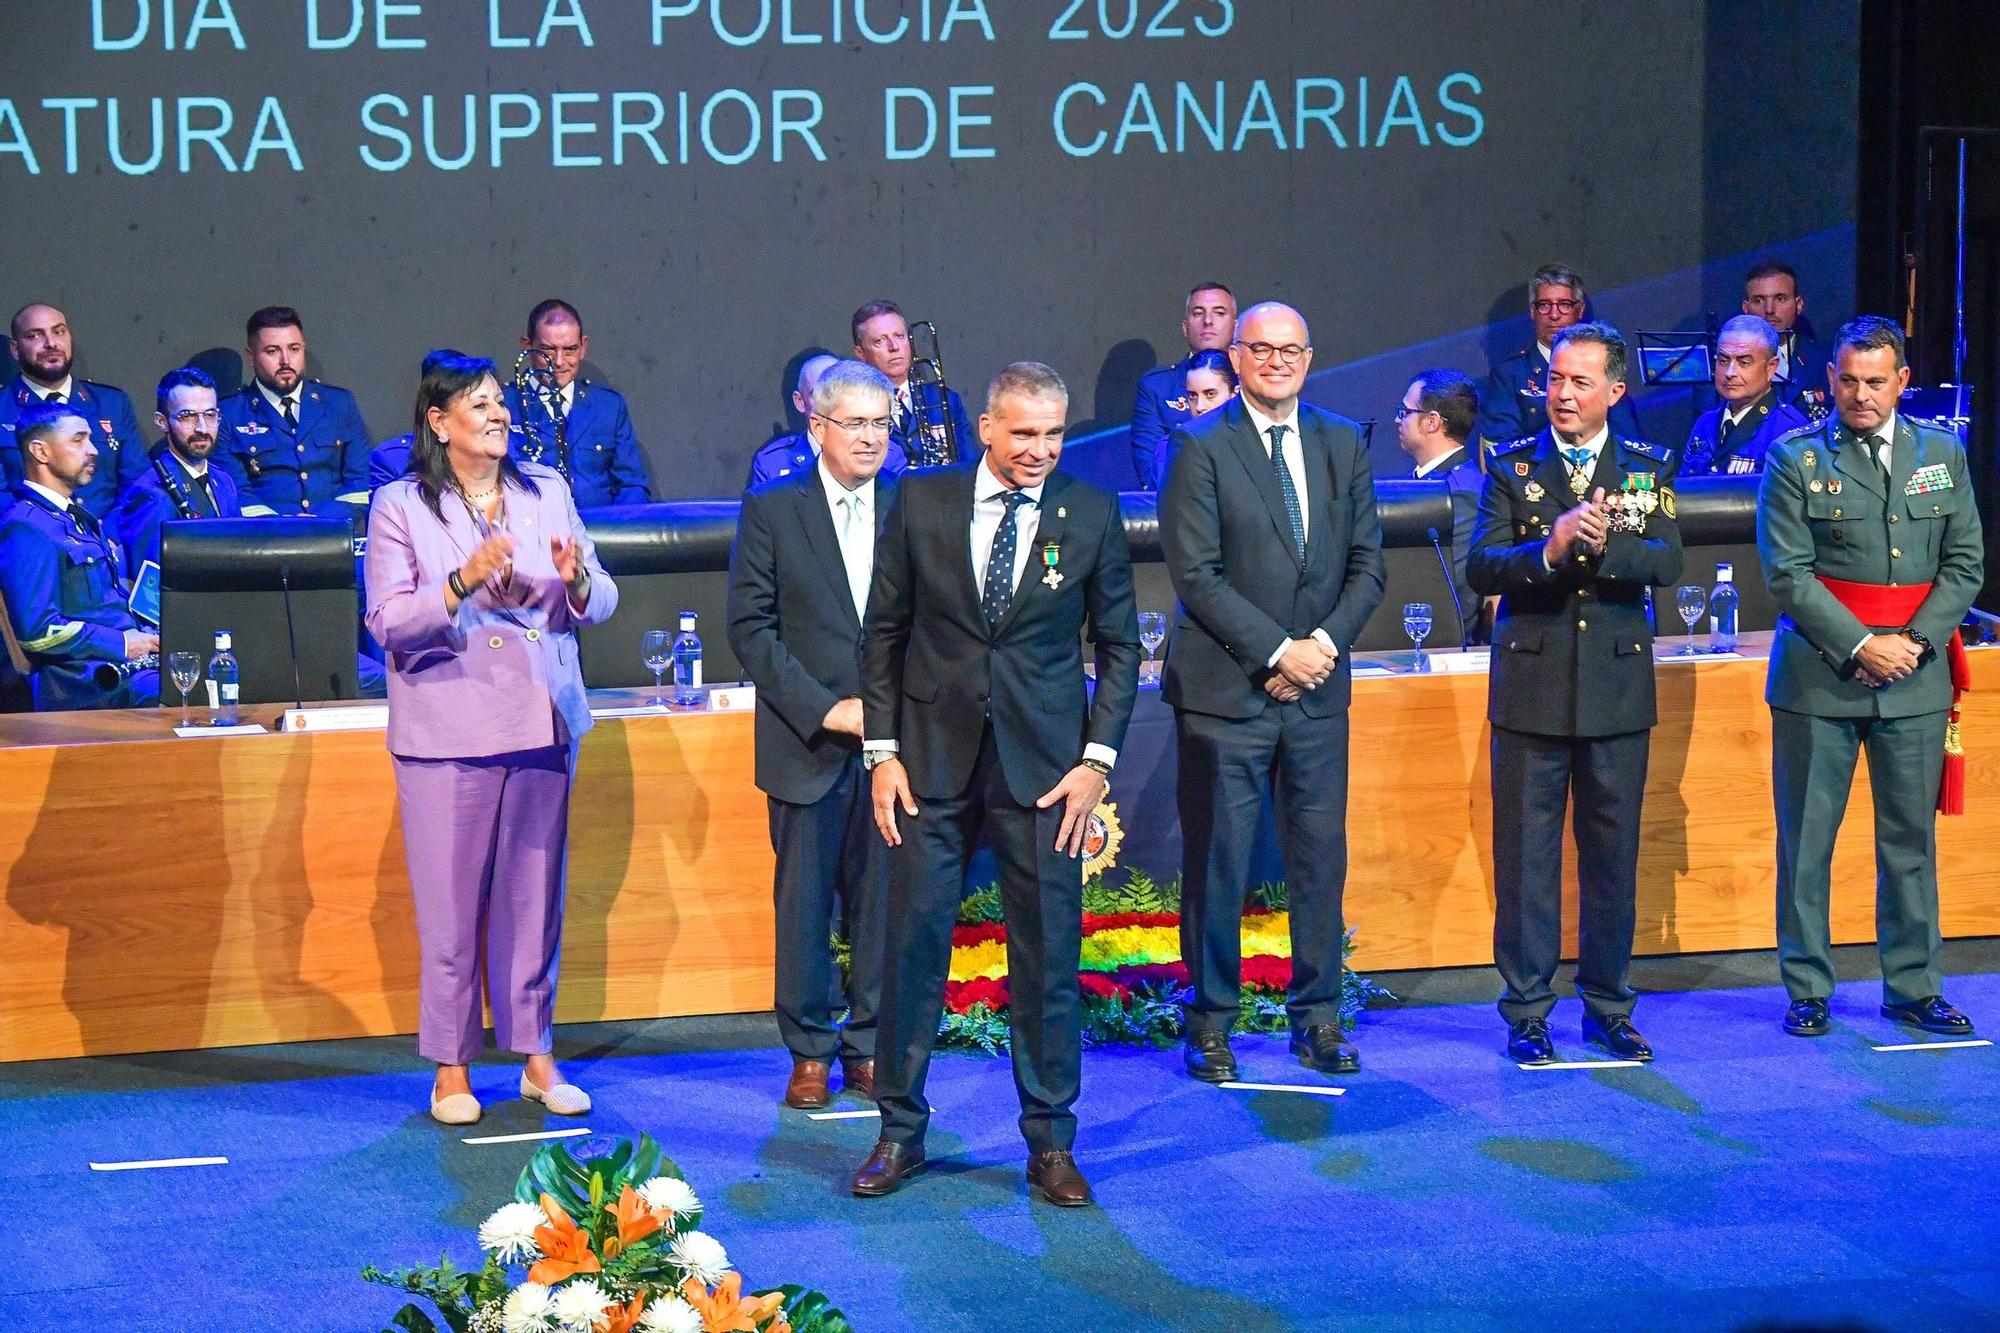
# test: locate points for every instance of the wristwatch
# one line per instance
(1099, 767)
(1922, 641)
(870, 758)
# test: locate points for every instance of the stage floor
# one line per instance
(1746, 1176)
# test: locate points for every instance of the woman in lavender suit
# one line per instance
(478, 573)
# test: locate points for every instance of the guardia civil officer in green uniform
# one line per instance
(1871, 546)
(1574, 525)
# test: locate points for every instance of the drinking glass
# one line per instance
(186, 670)
(657, 650)
(1417, 624)
(1692, 599)
(1152, 633)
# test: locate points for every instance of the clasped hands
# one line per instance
(1079, 792)
(1883, 659)
(1304, 665)
(495, 555)
(1587, 526)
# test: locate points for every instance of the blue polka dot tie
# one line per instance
(1288, 491)
(999, 591)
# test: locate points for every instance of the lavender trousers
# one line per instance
(486, 843)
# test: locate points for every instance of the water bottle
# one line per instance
(1722, 611)
(687, 664)
(222, 683)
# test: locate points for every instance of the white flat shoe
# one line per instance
(458, 1108)
(563, 1098)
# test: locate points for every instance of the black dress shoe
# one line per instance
(1326, 1050)
(1528, 1042)
(1616, 1034)
(886, 1169)
(1054, 1173)
(1807, 1018)
(1931, 1014)
(1209, 1057)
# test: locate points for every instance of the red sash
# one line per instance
(1894, 604)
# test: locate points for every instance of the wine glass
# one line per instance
(1417, 624)
(1692, 599)
(1152, 633)
(657, 650)
(186, 670)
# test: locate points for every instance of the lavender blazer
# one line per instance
(502, 674)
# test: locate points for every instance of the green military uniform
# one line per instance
(1826, 509)
(1571, 699)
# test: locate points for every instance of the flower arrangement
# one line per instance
(601, 1244)
(1133, 980)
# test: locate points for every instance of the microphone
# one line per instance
(1450, 584)
(291, 634)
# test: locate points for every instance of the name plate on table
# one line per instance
(356, 717)
(734, 698)
(204, 729)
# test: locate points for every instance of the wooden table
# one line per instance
(165, 893)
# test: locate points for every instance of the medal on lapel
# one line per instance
(1051, 557)
(1533, 492)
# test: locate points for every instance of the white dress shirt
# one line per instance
(853, 513)
(1425, 469)
(66, 389)
(1295, 463)
(278, 400)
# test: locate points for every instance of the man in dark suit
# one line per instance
(978, 715)
(1871, 546)
(1208, 322)
(1574, 525)
(1515, 404)
(599, 453)
(798, 588)
(1771, 292)
(928, 424)
(1271, 538)
(1733, 436)
(1434, 425)
(789, 454)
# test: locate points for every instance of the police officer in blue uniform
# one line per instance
(1161, 406)
(1574, 525)
(42, 346)
(793, 453)
(181, 480)
(292, 445)
(1434, 425)
(596, 452)
(1733, 436)
(1515, 404)
(60, 576)
(1771, 292)
(918, 412)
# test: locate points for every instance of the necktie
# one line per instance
(999, 591)
(855, 549)
(291, 416)
(57, 397)
(1288, 491)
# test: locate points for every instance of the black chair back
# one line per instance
(667, 558)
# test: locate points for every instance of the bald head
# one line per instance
(1271, 354)
(41, 343)
(809, 375)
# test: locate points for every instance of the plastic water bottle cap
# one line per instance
(222, 641)
(1725, 573)
(687, 621)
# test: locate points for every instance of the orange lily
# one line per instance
(624, 1318)
(726, 1310)
(566, 1249)
(635, 1223)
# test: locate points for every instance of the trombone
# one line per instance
(934, 441)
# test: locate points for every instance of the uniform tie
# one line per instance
(1288, 491)
(999, 591)
(286, 410)
(57, 397)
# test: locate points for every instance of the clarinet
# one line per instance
(109, 676)
(183, 507)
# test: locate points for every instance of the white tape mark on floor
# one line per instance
(1934, 1045)
(528, 1138)
(1316, 1089)
(159, 1163)
(1590, 1064)
(869, 1114)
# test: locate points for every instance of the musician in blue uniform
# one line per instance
(917, 414)
(180, 480)
(1161, 406)
(1516, 402)
(292, 445)
(581, 429)
(789, 454)
(60, 576)
(1434, 425)
(1733, 436)
(1771, 291)
(43, 347)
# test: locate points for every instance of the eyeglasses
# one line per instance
(1261, 353)
(188, 416)
(859, 425)
(1402, 412)
(1555, 307)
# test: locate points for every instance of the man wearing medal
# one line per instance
(1871, 546)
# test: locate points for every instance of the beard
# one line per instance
(195, 449)
(283, 382)
(47, 368)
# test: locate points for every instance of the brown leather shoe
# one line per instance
(1055, 1175)
(858, 1077)
(807, 1089)
(886, 1169)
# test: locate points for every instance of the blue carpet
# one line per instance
(1747, 1178)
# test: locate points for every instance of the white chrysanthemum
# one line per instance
(528, 1310)
(700, 1256)
(666, 1194)
(510, 1233)
(578, 1304)
(669, 1314)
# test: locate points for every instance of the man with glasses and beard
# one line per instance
(179, 481)
(43, 347)
(1516, 402)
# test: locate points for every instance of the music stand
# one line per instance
(1675, 358)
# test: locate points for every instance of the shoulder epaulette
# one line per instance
(1512, 446)
(1659, 453)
